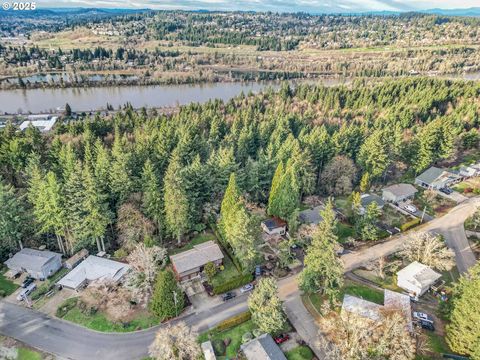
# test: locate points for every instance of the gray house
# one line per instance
(38, 264)
(262, 348)
(398, 192)
(311, 216)
(190, 263)
(435, 178)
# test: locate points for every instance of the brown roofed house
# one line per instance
(190, 263)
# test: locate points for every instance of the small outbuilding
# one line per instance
(398, 192)
(94, 268)
(274, 226)
(311, 216)
(75, 259)
(262, 348)
(36, 263)
(417, 278)
(190, 263)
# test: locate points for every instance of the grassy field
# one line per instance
(389, 282)
(361, 291)
(344, 231)
(27, 354)
(234, 334)
(300, 353)
(100, 322)
(437, 343)
(229, 272)
(6, 286)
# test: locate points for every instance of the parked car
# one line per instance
(246, 288)
(446, 190)
(427, 325)
(410, 208)
(258, 270)
(420, 316)
(28, 280)
(228, 296)
(25, 292)
(282, 338)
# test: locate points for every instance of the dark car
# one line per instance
(427, 325)
(27, 281)
(258, 270)
(228, 296)
(281, 338)
(446, 190)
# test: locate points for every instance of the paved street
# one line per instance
(75, 342)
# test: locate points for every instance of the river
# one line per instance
(94, 98)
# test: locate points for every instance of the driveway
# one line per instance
(454, 196)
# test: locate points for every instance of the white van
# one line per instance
(27, 291)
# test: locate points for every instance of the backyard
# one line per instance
(199, 239)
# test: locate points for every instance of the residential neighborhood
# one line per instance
(276, 184)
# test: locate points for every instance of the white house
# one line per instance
(436, 178)
(398, 192)
(417, 278)
(467, 171)
(94, 268)
(38, 264)
(44, 125)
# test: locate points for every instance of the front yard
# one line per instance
(300, 353)
(229, 272)
(99, 321)
(7, 287)
(437, 206)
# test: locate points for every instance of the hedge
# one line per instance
(410, 224)
(233, 321)
(233, 283)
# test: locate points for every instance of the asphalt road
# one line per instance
(71, 341)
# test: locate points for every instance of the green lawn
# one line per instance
(235, 334)
(229, 272)
(437, 343)
(389, 282)
(201, 238)
(27, 354)
(344, 231)
(100, 322)
(300, 353)
(361, 291)
(6, 286)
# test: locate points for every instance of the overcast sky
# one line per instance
(314, 6)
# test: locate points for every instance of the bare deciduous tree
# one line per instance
(175, 342)
(145, 262)
(132, 225)
(428, 249)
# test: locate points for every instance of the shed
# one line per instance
(311, 216)
(76, 259)
(38, 264)
(190, 263)
(417, 278)
(398, 192)
(262, 348)
(274, 226)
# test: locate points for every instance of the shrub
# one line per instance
(68, 305)
(2, 293)
(218, 347)
(233, 283)
(410, 224)
(247, 337)
(41, 290)
(120, 253)
(233, 321)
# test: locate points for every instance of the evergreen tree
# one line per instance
(323, 270)
(286, 195)
(266, 307)
(120, 180)
(168, 299)
(74, 200)
(152, 200)
(13, 222)
(366, 224)
(177, 216)
(463, 332)
(230, 204)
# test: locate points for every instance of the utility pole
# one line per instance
(175, 301)
(423, 213)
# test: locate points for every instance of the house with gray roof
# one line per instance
(311, 216)
(262, 348)
(436, 178)
(94, 268)
(367, 199)
(190, 263)
(398, 192)
(38, 264)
